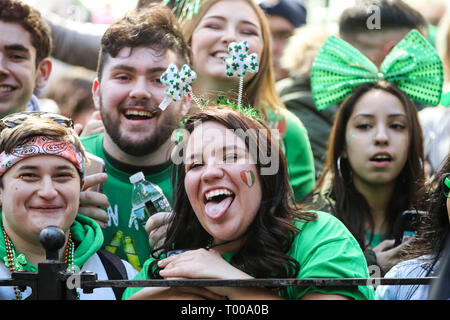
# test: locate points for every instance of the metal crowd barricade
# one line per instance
(50, 282)
(51, 279)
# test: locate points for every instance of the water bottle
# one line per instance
(147, 198)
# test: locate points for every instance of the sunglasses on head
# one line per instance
(446, 184)
(15, 119)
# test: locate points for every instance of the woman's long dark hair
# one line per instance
(434, 228)
(271, 233)
(350, 205)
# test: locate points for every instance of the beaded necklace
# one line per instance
(17, 262)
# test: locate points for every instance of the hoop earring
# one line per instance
(338, 164)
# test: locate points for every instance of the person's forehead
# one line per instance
(44, 162)
(143, 58)
(378, 101)
(375, 39)
(277, 23)
(240, 10)
(213, 133)
(14, 33)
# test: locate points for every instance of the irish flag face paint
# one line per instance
(248, 177)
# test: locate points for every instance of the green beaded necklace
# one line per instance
(17, 262)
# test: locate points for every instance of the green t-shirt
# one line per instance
(325, 249)
(297, 149)
(125, 235)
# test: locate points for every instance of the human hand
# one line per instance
(202, 264)
(199, 264)
(93, 126)
(92, 202)
(156, 226)
(388, 255)
(209, 264)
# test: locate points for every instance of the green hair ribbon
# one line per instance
(413, 65)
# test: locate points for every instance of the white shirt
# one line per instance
(414, 268)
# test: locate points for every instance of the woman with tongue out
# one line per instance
(374, 166)
(233, 219)
(216, 25)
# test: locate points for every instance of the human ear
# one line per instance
(44, 70)
(96, 93)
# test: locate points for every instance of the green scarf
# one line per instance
(86, 235)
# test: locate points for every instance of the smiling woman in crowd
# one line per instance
(209, 32)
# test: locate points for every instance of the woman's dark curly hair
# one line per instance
(271, 233)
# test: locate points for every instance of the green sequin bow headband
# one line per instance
(413, 65)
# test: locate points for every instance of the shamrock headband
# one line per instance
(178, 82)
(239, 62)
(249, 111)
(41, 145)
(413, 65)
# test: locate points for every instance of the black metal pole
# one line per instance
(318, 282)
(51, 282)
